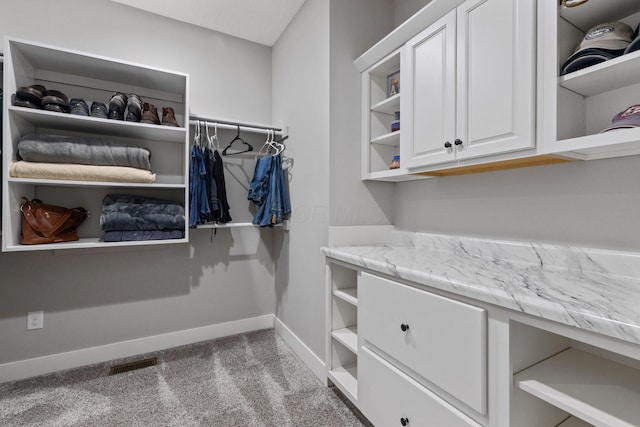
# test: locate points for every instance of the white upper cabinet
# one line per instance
(468, 84)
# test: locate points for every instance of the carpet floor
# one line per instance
(251, 379)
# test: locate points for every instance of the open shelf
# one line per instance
(388, 106)
(604, 77)
(391, 139)
(346, 379)
(349, 295)
(90, 243)
(594, 389)
(69, 183)
(347, 337)
(119, 128)
(395, 175)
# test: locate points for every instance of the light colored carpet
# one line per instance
(252, 379)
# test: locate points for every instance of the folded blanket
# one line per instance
(127, 213)
(83, 150)
(128, 236)
(65, 171)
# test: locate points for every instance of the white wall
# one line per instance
(356, 25)
(93, 298)
(404, 9)
(301, 100)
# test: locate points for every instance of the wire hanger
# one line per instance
(196, 135)
(237, 138)
(212, 141)
(269, 147)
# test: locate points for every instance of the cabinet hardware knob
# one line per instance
(457, 141)
(447, 144)
(404, 421)
(404, 327)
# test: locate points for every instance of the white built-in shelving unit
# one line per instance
(93, 78)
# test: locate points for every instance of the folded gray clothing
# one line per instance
(128, 213)
(45, 148)
(138, 235)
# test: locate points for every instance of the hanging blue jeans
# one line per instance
(199, 206)
(276, 203)
(259, 186)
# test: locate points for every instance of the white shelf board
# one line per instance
(395, 175)
(598, 144)
(68, 183)
(106, 127)
(349, 295)
(391, 138)
(346, 379)
(347, 337)
(597, 390)
(574, 422)
(604, 77)
(388, 106)
(90, 243)
(595, 12)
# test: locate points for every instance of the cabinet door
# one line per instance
(495, 76)
(428, 95)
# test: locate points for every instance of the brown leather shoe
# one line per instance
(168, 117)
(149, 114)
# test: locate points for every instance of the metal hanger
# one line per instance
(237, 138)
(212, 141)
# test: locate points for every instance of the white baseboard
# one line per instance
(87, 356)
(314, 363)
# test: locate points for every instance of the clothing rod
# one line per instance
(232, 124)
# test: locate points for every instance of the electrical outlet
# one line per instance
(35, 320)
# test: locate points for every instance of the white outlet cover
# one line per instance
(35, 320)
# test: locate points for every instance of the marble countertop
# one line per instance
(595, 290)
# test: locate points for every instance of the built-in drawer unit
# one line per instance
(440, 339)
(389, 397)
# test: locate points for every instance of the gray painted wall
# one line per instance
(96, 298)
(356, 25)
(301, 100)
(404, 9)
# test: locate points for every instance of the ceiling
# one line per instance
(260, 21)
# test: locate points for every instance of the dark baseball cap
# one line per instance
(601, 43)
(629, 118)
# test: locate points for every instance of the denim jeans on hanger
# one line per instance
(259, 185)
(276, 204)
(197, 189)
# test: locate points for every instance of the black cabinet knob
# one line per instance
(404, 421)
(457, 142)
(404, 327)
(447, 144)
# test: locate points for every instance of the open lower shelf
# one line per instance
(601, 145)
(388, 106)
(391, 138)
(90, 243)
(394, 175)
(106, 127)
(346, 379)
(347, 337)
(349, 295)
(69, 183)
(597, 390)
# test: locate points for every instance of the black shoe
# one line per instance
(117, 104)
(99, 110)
(55, 97)
(25, 104)
(134, 108)
(79, 107)
(33, 94)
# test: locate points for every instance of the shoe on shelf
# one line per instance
(33, 94)
(25, 104)
(117, 104)
(134, 108)
(55, 98)
(168, 117)
(99, 110)
(149, 114)
(79, 107)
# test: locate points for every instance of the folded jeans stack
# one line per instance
(127, 218)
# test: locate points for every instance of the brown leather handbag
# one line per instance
(42, 223)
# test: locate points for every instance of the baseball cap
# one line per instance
(629, 118)
(635, 44)
(601, 43)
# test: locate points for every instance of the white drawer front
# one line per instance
(445, 341)
(386, 396)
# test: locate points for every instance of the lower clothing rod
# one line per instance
(234, 127)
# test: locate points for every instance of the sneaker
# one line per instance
(79, 107)
(55, 97)
(134, 108)
(168, 117)
(149, 114)
(99, 110)
(25, 104)
(33, 94)
(55, 107)
(117, 104)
